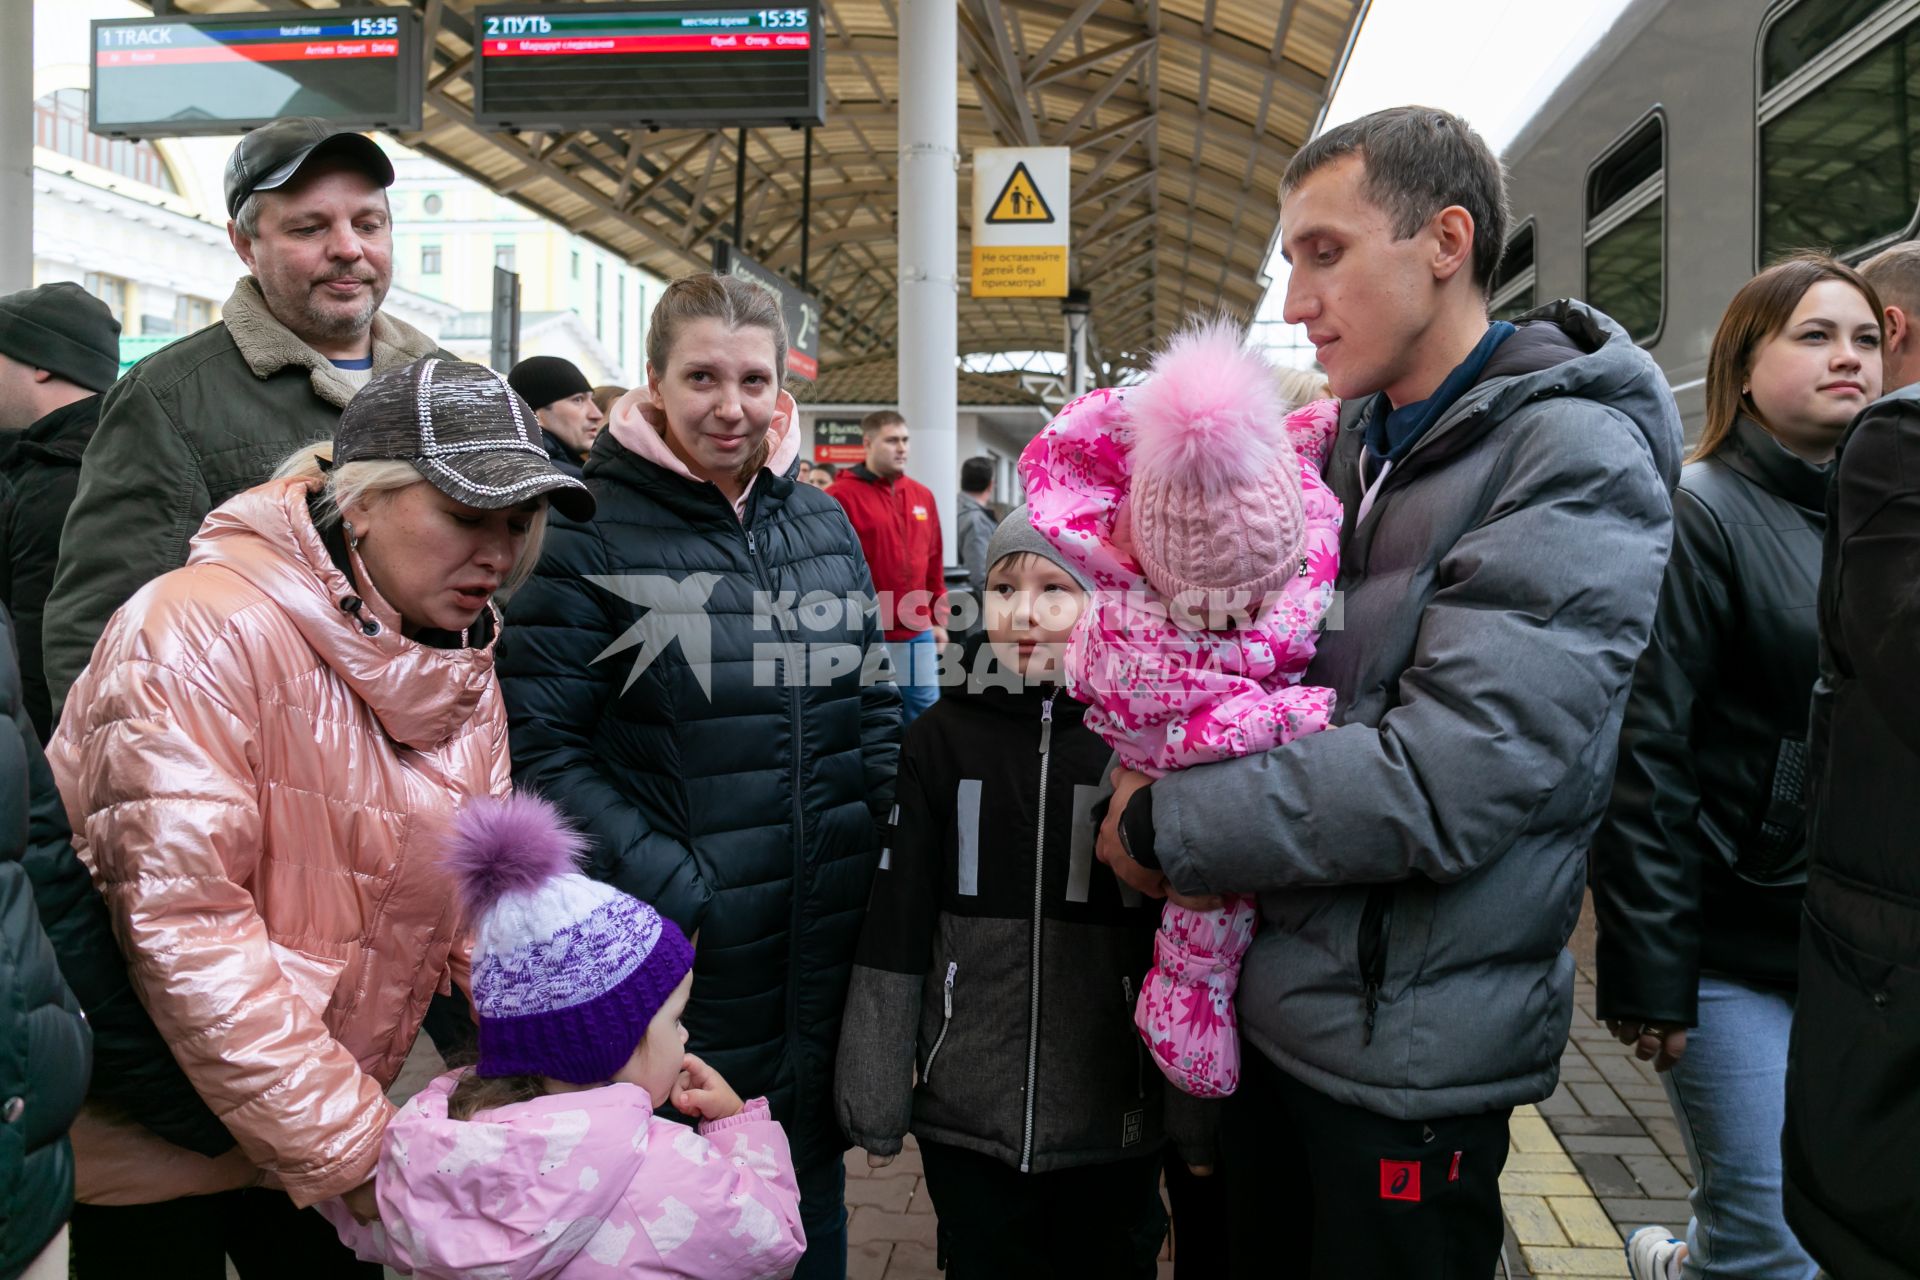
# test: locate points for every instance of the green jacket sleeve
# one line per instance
(142, 496)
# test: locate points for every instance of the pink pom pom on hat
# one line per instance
(1216, 503)
(567, 971)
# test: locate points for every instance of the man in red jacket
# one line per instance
(899, 530)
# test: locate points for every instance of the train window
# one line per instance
(1628, 165)
(1626, 230)
(1804, 32)
(1513, 292)
(1839, 143)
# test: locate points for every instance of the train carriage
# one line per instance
(1700, 140)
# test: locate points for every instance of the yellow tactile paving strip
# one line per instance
(1559, 1222)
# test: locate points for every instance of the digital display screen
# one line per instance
(625, 65)
(169, 77)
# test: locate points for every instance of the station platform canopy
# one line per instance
(1181, 114)
(872, 380)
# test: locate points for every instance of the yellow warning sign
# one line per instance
(1022, 221)
(1029, 271)
(1019, 200)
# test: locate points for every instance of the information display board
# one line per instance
(547, 66)
(197, 74)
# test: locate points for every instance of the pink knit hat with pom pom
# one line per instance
(567, 972)
(1215, 504)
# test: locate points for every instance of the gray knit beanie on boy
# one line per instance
(1016, 536)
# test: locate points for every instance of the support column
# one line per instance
(928, 342)
(1076, 309)
(16, 145)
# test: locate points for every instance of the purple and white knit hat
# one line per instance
(567, 972)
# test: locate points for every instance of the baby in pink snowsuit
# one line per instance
(550, 1159)
(1195, 505)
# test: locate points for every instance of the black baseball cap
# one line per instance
(464, 430)
(268, 157)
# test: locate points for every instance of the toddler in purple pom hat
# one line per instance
(550, 1157)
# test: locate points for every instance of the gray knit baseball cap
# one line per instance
(464, 429)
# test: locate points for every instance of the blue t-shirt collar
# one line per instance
(364, 362)
(1392, 433)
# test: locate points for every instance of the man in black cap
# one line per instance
(59, 349)
(213, 413)
(562, 399)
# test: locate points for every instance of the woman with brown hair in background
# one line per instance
(1699, 866)
(605, 395)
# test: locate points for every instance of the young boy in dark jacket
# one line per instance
(1000, 959)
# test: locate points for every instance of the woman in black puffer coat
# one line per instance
(46, 1051)
(1698, 869)
(724, 745)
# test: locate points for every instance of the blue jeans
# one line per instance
(823, 1216)
(1729, 1096)
(916, 668)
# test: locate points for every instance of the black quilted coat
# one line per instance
(668, 688)
(1853, 1064)
(45, 1047)
(1713, 747)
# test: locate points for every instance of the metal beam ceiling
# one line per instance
(1181, 115)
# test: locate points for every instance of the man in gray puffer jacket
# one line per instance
(1420, 866)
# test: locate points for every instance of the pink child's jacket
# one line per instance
(1165, 697)
(579, 1186)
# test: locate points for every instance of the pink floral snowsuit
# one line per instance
(1165, 697)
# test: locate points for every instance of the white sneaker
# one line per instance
(1652, 1254)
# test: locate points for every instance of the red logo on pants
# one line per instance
(1399, 1179)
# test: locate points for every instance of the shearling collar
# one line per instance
(269, 346)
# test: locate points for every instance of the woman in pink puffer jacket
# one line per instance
(1195, 504)
(248, 764)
